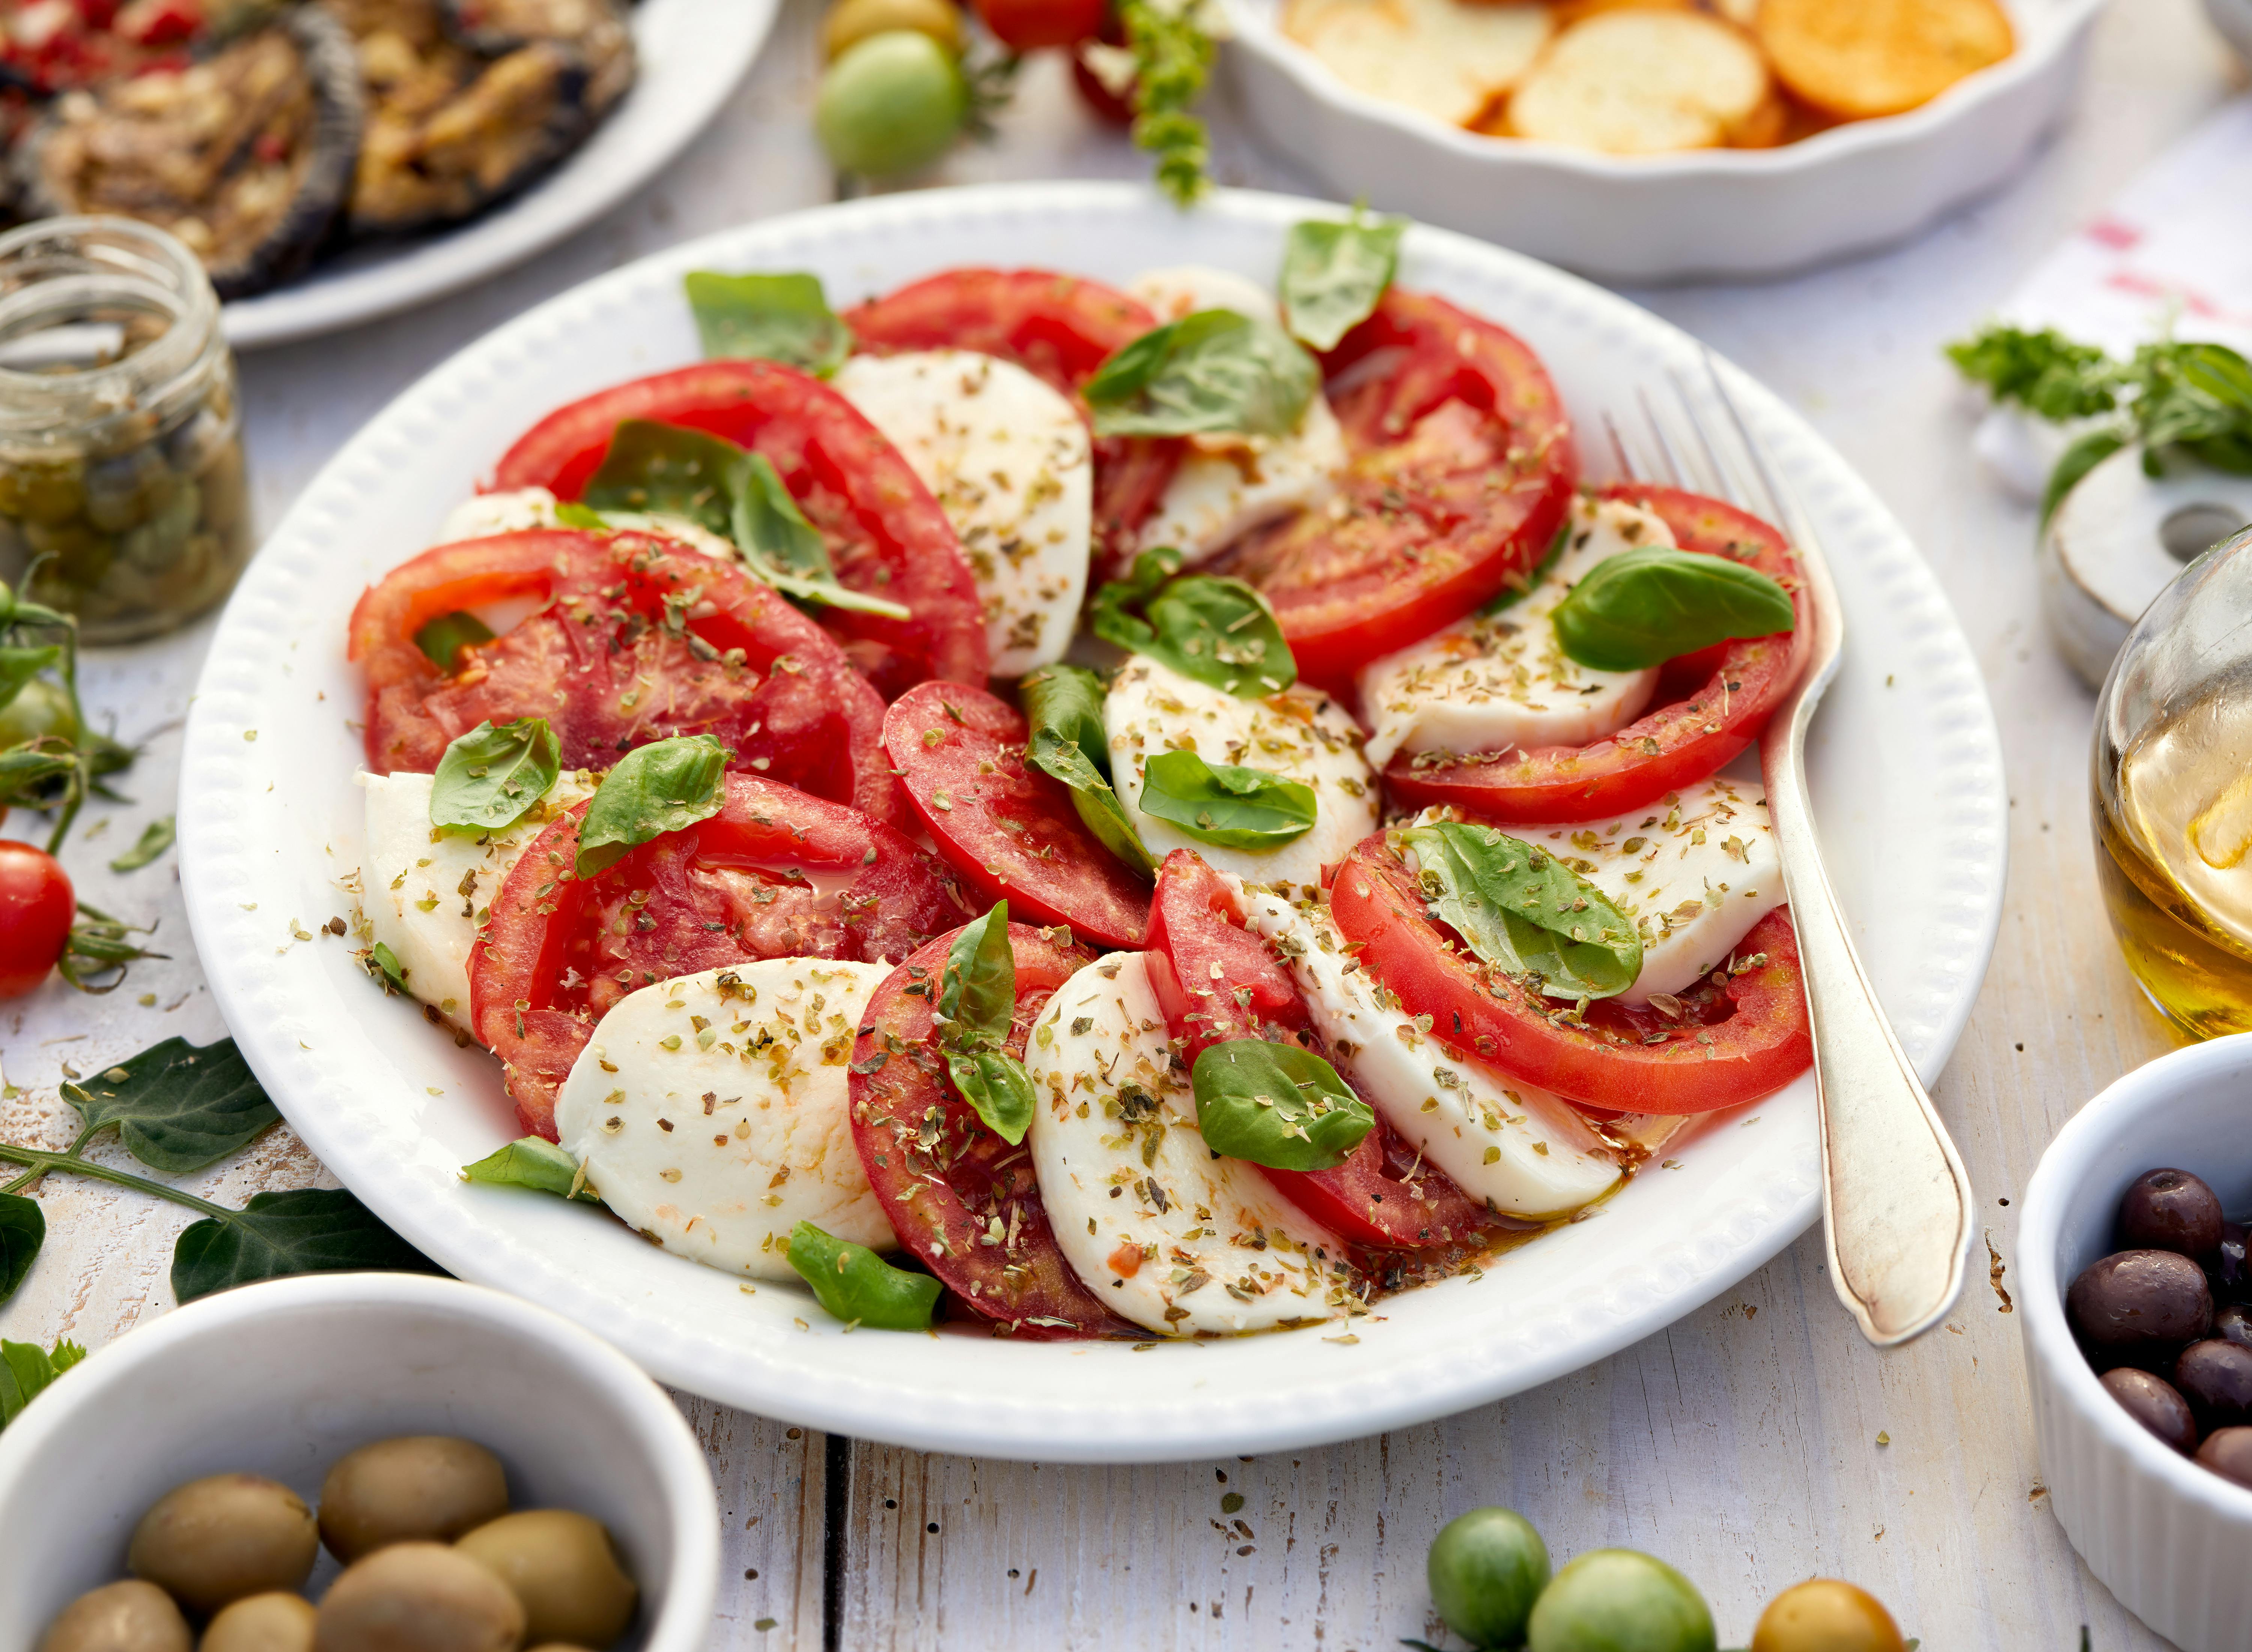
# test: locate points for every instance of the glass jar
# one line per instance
(2173, 794)
(122, 497)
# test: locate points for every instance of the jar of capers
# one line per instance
(122, 486)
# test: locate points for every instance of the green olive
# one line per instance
(563, 1567)
(41, 707)
(220, 1538)
(1619, 1600)
(418, 1597)
(851, 22)
(1826, 1615)
(893, 103)
(130, 1616)
(262, 1623)
(427, 1488)
(1486, 1569)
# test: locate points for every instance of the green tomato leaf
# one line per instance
(1646, 606)
(977, 991)
(1276, 1105)
(442, 640)
(2077, 461)
(784, 318)
(1523, 911)
(382, 964)
(1100, 809)
(1224, 805)
(666, 785)
(1334, 275)
(26, 1372)
(19, 666)
(536, 1163)
(854, 1284)
(998, 1088)
(311, 1229)
(1213, 373)
(492, 777)
(178, 1108)
(156, 837)
(23, 1231)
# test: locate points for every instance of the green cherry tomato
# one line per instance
(1620, 1601)
(41, 707)
(1826, 1615)
(891, 103)
(1486, 1568)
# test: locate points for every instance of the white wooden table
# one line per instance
(1741, 1444)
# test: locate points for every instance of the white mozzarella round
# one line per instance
(1183, 289)
(1499, 682)
(1168, 1235)
(1525, 1152)
(710, 1112)
(1302, 735)
(1009, 462)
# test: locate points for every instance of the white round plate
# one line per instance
(1908, 781)
(692, 54)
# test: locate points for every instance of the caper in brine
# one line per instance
(81, 554)
(41, 490)
(122, 490)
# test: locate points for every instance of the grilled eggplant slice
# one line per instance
(247, 155)
(595, 30)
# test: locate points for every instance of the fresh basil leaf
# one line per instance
(666, 785)
(1334, 275)
(1276, 1105)
(1221, 632)
(1100, 809)
(784, 318)
(1523, 585)
(1213, 372)
(977, 991)
(854, 1284)
(178, 1108)
(156, 837)
(998, 1088)
(442, 640)
(2082, 456)
(492, 777)
(1111, 615)
(382, 964)
(1645, 607)
(311, 1229)
(1068, 699)
(26, 1372)
(536, 1163)
(1523, 911)
(19, 666)
(23, 1231)
(1224, 805)
(571, 514)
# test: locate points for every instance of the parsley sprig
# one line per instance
(1171, 42)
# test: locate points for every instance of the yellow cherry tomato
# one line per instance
(1826, 1615)
(851, 22)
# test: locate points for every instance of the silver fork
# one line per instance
(1895, 1202)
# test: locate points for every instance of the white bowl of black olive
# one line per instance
(356, 1463)
(2137, 1303)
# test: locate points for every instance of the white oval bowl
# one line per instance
(1708, 212)
(282, 1378)
(2171, 1539)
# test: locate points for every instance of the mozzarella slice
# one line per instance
(1008, 459)
(1498, 682)
(520, 508)
(1170, 1236)
(1301, 734)
(1522, 1150)
(710, 1112)
(425, 892)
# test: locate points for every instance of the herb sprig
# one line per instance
(1172, 45)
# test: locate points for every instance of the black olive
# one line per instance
(2153, 1402)
(2170, 1210)
(2216, 1379)
(2136, 1305)
(2227, 1452)
(2234, 1324)
(2232, 1270)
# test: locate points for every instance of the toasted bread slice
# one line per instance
(1644, 82)
(1568, 12)
(1449, 59)
(1860, 59)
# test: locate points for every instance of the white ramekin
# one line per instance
(2234, 19)
(282, 1379)
(2171, 1539)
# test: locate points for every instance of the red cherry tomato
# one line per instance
(37, 906)
(1029, 25)
(1115, 107)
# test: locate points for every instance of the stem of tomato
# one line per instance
(41, 1161)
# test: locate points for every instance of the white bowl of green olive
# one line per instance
(355, 1457)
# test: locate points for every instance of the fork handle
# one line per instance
(1896, 1204)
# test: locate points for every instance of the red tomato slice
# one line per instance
(1734, 1042)
(1462, 470)
(1010, 831)
(1216, 981)
(775, 874)
(950, 1186)
(609, 669)
(1721, 699)
(1058, 328)
(885, 534)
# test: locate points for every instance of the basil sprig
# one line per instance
(784, 318)
(1523, 910)
(1224, 805)
(729, 491)
(976, 1002)
(1215, 372)
(1276, 1105)
(442, 640)
(1215, 629)
(1645, 607)
(1334, 275)
(664, 786)
(859, 1286)
(1063, 704)
(536, 1163)
(493, 776)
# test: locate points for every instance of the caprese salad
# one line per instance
(1168, 812)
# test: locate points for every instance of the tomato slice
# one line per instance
(1720, 699)
(1462, 468)
(961, 1198)
(1738, 1037)
(885, 534)
(1216, 981)
(1059, 329)
(776, 873)
(615, 660)
(1010, 831)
